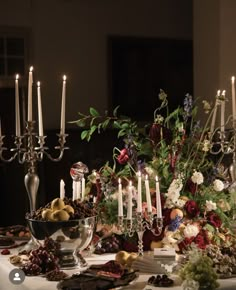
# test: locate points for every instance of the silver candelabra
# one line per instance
(29, 149)
(226, 144)
(138, 224)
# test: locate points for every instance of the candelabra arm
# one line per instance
(17, 150)
(61, 148)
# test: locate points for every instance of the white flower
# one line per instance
(210, 205)
(190, 284)
(218, 185)
(206, 145)
(191, 231)
(180, 203)
(197, 177)
(176, 185)
(149, 171)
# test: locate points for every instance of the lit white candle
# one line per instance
(40, 115)
(148, 195)
(139, 196)
(158, 199)
(17, 106)
(129, 207)
(30, 84)
(233, 101)
(83, 188)
(120, 199)
(74, 192)
(222, 115)
(62, 189)
(63, 106)
(213, 120)
(78, 189)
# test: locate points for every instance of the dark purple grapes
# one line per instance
(43, 259)
(110, 244)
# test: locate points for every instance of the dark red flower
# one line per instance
(148, 237)
(192, 208)
(214, 219)
(183, 245)
(191, 187)
(158, 132)
(123, 157)
(202, 239)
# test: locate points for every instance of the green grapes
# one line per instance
(200, 269)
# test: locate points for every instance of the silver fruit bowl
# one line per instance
(73, 237)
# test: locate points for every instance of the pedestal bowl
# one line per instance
(73, 237)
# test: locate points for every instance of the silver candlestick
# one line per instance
(139, 225)
(31, 154)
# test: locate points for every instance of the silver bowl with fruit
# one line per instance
(73, 235)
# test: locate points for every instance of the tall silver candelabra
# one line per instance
(29, 149)
(139, 224)
(226, 145)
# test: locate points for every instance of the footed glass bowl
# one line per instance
(72, 235)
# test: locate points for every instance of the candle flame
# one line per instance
(146, 177)
(218, 93)
(17, 77)
(130, 183)
(157, 179)
(64, 78)
(223, 93)
(31, 68)
(233, 78)
(119, 181)
(139, 173)
(38, 84)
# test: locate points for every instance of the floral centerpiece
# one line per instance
(196, 201)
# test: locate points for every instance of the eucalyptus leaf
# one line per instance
(84, 134)
(93, 112)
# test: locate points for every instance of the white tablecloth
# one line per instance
(40, 283)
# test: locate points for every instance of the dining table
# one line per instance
(41, 283)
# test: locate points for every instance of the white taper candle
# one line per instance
(63, 106)
(40, 114)
(30, 84)
(17, 106)
(233, 101)
(120, 199)
(148, 195)
(62, 189)
(139, 196)
(158, 199)
(130, 204)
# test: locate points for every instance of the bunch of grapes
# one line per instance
(110, 244)
(52, 246)
(200, 269)
(42, 260)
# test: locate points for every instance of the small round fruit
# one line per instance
(132, 257)
(60, 215)
(122, 257)
(47, 214)
(176, 212)
(68, 208)
(57, 204)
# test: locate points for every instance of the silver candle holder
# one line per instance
(138, 224)
(27, 152)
